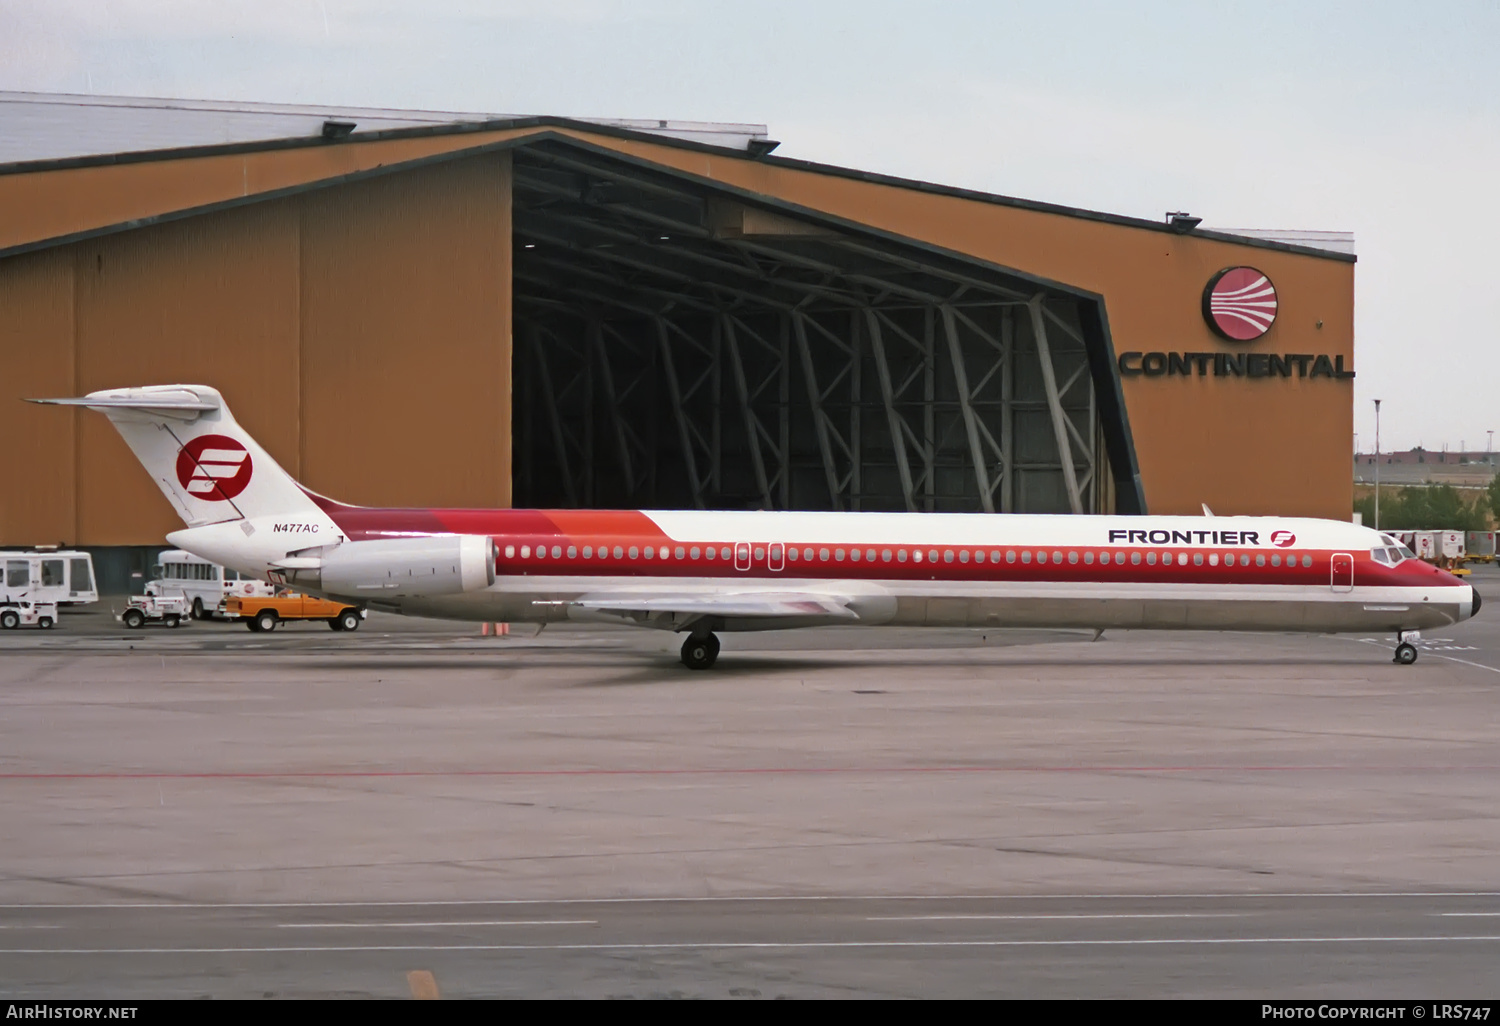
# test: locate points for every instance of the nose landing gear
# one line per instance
(1406, 652)
(700, 651)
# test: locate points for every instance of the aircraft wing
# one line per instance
(729, 605)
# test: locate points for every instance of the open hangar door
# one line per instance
(679, 345)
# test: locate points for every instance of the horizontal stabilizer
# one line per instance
(171, 403)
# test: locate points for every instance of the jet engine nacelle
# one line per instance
(403, 567)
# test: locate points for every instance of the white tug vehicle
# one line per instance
(167, 609)
(26, 613)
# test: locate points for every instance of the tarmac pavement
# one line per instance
(212, 812)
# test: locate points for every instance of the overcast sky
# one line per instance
(1378, 118)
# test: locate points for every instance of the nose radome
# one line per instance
(1474, 610)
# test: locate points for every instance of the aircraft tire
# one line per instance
(700, 653)
(1406, 654)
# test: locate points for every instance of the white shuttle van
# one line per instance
(204, 585)
(62, 576)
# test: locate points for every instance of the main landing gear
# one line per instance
(700, 651)
(1406, 652)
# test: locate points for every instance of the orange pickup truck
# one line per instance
(264, 612)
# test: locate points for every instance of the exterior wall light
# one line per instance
(1181, 222)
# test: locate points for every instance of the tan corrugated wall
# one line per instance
(406, 338)
(37, 467)
(360, 332)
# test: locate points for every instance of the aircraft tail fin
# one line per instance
(207, 466)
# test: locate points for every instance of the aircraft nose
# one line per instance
(1474, 611)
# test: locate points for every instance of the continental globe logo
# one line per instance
(1239, 304)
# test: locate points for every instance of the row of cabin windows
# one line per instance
(189, 572)
(199, 572)
(822, 555)
(18, 574)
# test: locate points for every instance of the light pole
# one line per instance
(1377, 464)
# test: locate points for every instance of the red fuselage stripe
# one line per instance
(567, 530)
(1312, 568)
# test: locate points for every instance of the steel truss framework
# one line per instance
(675, 348)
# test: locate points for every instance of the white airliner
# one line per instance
(699, 572)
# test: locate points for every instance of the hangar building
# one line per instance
(450, 309)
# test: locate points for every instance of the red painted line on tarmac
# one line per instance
(711, 771)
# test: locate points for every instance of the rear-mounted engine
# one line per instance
(399, 568)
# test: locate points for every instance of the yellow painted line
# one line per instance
(423, 985)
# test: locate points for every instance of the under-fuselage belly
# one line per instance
(991, 604)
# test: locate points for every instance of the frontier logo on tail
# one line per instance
(214, 468)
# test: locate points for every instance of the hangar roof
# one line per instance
(56, 126)
(1334, 242)
(53, 131)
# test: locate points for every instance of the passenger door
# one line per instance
(81, 582)
(53, 575)
(1341, 572)
(775, 557)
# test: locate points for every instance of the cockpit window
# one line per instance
(1395, 549)
(1381, 556)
